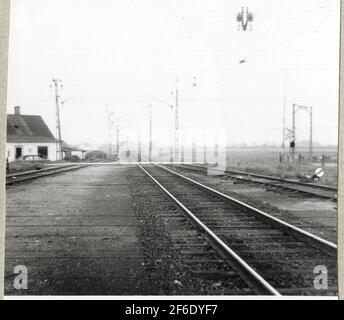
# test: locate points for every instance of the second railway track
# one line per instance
(20, 177)
(273, 257)
(298, 188)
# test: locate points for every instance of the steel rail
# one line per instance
(330, 247)
(249, 275)
(286, 187)
(35, 174)
(24, 173)
(316, 186)
(39, 174)
(266, 183)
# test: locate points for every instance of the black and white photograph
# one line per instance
(172, 148)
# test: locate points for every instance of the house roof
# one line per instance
(28, 128)
(66, 147)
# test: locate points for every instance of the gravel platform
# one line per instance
(77, 235)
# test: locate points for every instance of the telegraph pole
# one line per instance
(310, 133)
(150, 122)
(182, 153)
(139, 158)
(292, 142)
(117, 140)
(176, 124)
(150, 134)
(110, 125)
(194, 152)
(205, 148)
(284, 110)
(58, 84)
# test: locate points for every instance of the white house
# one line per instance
(29, 135)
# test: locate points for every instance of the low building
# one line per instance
(29, 135)
(70, 152)
(81, 154)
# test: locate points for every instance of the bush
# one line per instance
(96, 154)
(75, 158)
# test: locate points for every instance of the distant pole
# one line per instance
(227, 156)
(310, 133)
(110, 124)
(227, 150)
(58, 84)
(176, 124)
(139, 147)
(182, 153)
(204, 146)
(150, 133)
(205, 154)
(194, 156)
(182, 148)
(284, 110)
(216, 150)
(171, 153)
(292, 142)
(128, 148)
(117, 140)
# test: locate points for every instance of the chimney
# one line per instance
(17, 110)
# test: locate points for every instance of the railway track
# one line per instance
(19, 177)
(273, 183)
(271, 256)
(177, 255)
(15, 178)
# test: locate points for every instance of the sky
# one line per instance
(126, 55)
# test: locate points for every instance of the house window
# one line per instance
(42, 152)
(19, 152)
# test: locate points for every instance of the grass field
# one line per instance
(266, 161)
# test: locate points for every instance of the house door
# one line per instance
(19, 152)
(43, 152)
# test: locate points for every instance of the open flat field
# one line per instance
(266, 160)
